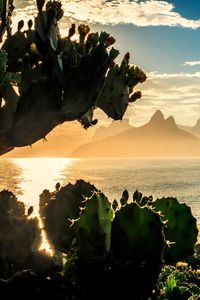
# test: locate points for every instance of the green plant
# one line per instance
(178, 283)
(82, 74)
(124, 247)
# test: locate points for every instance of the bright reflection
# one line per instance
(39, 174)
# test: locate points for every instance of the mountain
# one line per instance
(114, 128)
(195, 130)
(160, 137)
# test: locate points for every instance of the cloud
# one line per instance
(157, 75)
(175, 94)
(145, 13)
(191, 63)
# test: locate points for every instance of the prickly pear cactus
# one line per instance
(137, 244)
(94, 227)
(141, 200)
(181, 228)
(118, 88)
(60, 209)
(137, 234)
(16, 47)
(82, 75)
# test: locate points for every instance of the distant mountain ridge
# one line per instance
(195, 130)
(160, 137)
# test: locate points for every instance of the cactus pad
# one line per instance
(181, 228)
(94, 227)
(60, 210)
(137, 234)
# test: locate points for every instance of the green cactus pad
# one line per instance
(60, 210)
(137, 234)
(124, 198)
(94, 227)
(181, 228)
(114, 97)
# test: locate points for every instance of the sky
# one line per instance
(163, 38)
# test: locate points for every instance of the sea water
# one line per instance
(180, 178)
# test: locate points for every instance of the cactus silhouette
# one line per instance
(123, 246)
(60, 209)
(82, 76)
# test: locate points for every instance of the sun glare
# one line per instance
(39, 174)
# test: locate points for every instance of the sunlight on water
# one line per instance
(11, 176)
(27, 178)
(39, 174)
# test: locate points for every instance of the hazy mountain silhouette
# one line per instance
(160, 137)
(114, 128)
(195, 130)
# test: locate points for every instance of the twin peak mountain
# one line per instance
(160, 137)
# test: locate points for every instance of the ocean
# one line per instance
(180, 178)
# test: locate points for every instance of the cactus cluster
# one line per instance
(82, 74)
(107, 240)
(124, 244)
(19, 49)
